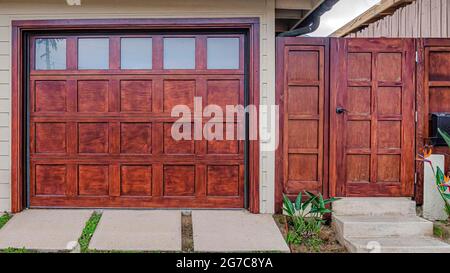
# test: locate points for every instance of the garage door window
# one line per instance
(223, 53)
(136, 53)
(93, 53)
(179, 53)
(50, 54)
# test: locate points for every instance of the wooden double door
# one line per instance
(100, 122)
(347, 110)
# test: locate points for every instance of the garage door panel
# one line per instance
(93, 137)
(49, 179)
(178, 147)
(178, 92)
(93, 180)
(92, 96)
(136, 138)
(222, 144)
(179, 180)
(50, 138)
(50, 96)
(136, 96)
(223, 180)
(136, 180)
(216, 90)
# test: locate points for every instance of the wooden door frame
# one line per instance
(280, 159)
(20, 27)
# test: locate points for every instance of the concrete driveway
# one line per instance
(45, 230)
(143, 230)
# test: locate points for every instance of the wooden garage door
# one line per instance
(100, 121)
(372, 117)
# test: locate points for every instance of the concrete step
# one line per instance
(414, 244)
(374, 206)
(379, 226)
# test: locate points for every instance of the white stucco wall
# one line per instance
(58, 9)
(433, 205)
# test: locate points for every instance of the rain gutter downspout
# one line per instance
(312, 22)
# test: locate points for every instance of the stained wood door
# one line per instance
(302, 94)
(101, 137)
(372, 117)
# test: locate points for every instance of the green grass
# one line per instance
(4, 219)
(127, 251)
(88, 231)
(16, 250)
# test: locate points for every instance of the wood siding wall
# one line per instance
(420, 19)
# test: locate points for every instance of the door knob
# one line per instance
(340, 110)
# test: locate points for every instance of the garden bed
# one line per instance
(327, 235)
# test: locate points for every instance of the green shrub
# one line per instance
(306, 218)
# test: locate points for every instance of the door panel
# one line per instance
(372, 117)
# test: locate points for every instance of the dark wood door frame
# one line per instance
(19, 28)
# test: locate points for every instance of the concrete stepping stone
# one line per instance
(236, 231)
(384, 225)
(44, 230)
(138, 230)
(414, 244)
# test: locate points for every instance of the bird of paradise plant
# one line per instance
(442, 180)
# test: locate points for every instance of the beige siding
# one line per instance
(421, 19)
(5, 90)
(4, 48)
(57, 9)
